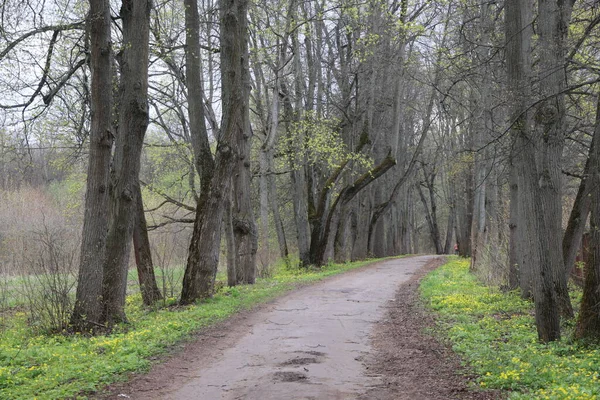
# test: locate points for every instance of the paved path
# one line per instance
(307, 345)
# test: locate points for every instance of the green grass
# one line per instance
(495, 335)
(71, 366)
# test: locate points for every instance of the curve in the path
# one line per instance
(307, 345)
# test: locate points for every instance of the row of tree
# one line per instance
(350, 129)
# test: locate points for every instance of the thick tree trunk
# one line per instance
(88, 298)
(143, 254)
(532, 207)
(203, 256)
(553, 22)
(133, 121)
(203, 253)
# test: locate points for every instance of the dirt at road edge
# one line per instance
(412, 364)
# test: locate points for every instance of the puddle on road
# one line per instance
(289, 376)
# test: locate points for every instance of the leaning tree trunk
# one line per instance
(143, 254)
(133, 121)
(203, 256)
(88, 306)
(325, 220)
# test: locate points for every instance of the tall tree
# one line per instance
(133, 121)
(553, 21)
(88, 306)
(203, 255)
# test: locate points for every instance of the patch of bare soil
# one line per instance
(412, 364)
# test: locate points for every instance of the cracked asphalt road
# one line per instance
(309, 344)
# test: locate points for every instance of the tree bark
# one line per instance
(232, 279)
(580, 211)
(203, 255)
(143, 254)
(277, 221)
(553, 22)
(531, 209)
(203, 158)
(88, 298)
(133, 121)
(244, 225)
(431, 216)
(588, 323)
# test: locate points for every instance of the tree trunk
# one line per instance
(230, 239)
(588, 323)
(448, 246)
(581, 209)
(88, 306)
(534, 224)
(143, 254)
(515, 256)
(244, 226)
(325, 215)
(553, 22)
(281, 239)
(203, 253)
(203, 256)
(133, 121)
(203, 158)
(264, 204)
(430, 216)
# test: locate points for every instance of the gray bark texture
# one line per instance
(143, 254)
(203, 158)
(133, 121)
(88, 306)
(553, 22)
(519, 32)
(203, 254)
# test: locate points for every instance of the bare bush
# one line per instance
(48, 287)
(168, 251)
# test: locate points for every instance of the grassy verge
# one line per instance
(495, 334)
(66, 366)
